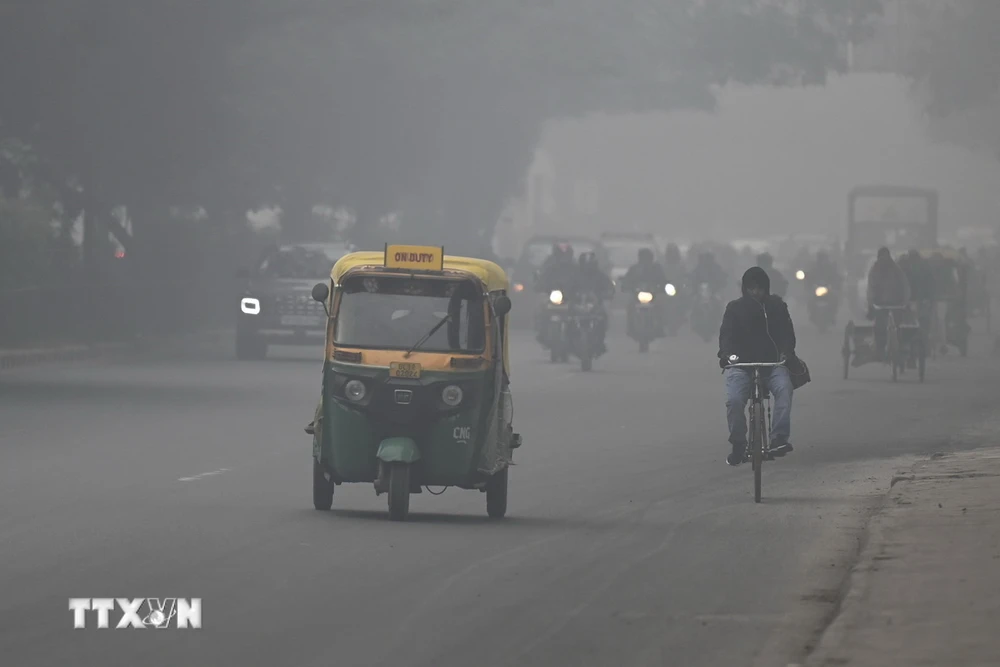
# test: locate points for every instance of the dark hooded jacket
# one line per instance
(756, 331)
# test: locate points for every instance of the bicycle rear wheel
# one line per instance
(757, 441)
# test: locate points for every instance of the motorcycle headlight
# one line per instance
(644, 297)
(556, 297)
(452, 395)
(670, 290)
(355, 390)
(800, 275)
(821, 291)
(250, 305)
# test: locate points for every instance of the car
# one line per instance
(276, 306)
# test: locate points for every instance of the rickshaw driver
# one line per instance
(887, 286)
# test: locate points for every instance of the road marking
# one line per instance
(204, 474)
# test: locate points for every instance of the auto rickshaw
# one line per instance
(415, 378)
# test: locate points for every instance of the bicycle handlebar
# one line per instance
(755, 365)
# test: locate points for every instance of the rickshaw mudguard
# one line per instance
(398, 450)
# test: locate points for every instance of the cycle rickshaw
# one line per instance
(906, 345)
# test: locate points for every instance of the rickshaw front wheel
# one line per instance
(399, 491)
(322, 488)
(496, 495)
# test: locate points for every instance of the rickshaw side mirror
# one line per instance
(501, 305)
(321, 293)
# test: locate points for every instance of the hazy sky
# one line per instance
(770, 161)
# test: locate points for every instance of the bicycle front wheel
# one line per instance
(758, 438)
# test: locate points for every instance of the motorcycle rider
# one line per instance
(757, 328)
(591, 280)
(558, 272)
(708, 271)
(673, 262)
(887, 286)
(646, 272)
(779, 286)
(823, 272)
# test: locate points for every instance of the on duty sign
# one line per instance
(414, 257)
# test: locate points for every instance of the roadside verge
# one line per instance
(925, 588)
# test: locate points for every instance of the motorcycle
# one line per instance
(556, 334)
(706, 315)
(823, 307)
(644, 317)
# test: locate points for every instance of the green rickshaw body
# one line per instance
(450, 446)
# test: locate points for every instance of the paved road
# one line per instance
(628, 540)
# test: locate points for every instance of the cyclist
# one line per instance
(757, 328)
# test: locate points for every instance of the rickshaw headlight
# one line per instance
(821, 291)
(556, 297)
(670, 290)
(250, 305)
(644, 297)
(452, 395)
(800, 275)
(355, 390)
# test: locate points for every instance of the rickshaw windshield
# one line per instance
(391, 312)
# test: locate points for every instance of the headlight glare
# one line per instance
(355, 390)
(800, 275)
(452, 395)
(250, 305)
(556, 297)
(644, 297)
(821, 291)
(670, 290)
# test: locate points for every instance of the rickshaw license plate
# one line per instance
(399, 369)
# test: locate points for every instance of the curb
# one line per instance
(857, 586)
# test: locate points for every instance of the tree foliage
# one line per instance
(430, 107)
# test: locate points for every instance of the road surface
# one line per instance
(628, 541)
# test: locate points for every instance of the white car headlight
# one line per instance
(670, 290)
(821, 291)
(556, 297)
(452, 395)
(644, 297)
(800, 275)
(250, 305)
(355, 390)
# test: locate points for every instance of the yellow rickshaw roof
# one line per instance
(489, 273)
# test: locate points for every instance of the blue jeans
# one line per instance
(739, 383)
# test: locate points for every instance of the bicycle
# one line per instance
(759, 441)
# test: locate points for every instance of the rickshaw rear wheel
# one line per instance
(921, 360)
(496, 495)
(322, 488)
(846, 351)
(399, 491)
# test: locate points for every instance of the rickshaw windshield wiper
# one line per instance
(427, 335)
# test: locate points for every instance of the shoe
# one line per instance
(778, 451)
(736, 456)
